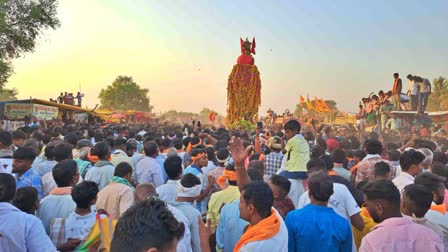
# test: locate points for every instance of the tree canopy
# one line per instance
(438, 100)
(125, 94)
(21, 22)
(8, 94)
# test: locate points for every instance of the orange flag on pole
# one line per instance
(302, 100)
(308, 104)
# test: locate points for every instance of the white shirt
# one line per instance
(168, 191)
(120, 156)
(402, 180)
(45, 167)
(184, 244)
(341, 201)
(55, 206)
(77, 226)
(278, 243)
(148, 170)
(101, 174)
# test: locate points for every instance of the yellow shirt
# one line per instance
(217, 200)
(297, 154)
(368, 225)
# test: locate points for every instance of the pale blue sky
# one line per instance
(183, 51)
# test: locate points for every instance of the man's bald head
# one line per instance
(144, 191)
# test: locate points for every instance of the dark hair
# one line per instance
(222, 154)
(282, 182)
(83, 193)
(440, 169)
(260, 195)
(373, 147)
(130, 146)
(48, 152)
(101, 150)
(24, 153)
(329, 162)
(432, 181)
(147, 224)
(254, 174)
(381, 169)
(441, 157)
(394, 155)
(257, 165)
(25, 199)
(189, 180)
(339, 156)
(320, 186)
(316, 164)
(62, 151)
(360, 154)
(83, 143)
(150, 148)
(409, 158)
(19, 134)
(71, 138)
(64, 171)
(210, 153)
(5, 138)
(195, 140)
(292, 125)
(421, 198)
(197, 151)
(317, 151)
(383, 190)
(119, 142)
(177, 143)
(173, 166)
(122, 169)
(165, 143)
(7, 187)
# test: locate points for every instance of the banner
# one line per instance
(15, 111)
(81, 118)
(18, 110)
(42, 112)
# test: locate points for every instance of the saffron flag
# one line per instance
(325, 106)
(302, 100)
(317, 105)
(308, 104)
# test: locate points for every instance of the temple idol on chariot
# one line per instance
(244, 87)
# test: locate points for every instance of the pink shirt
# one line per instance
(401, 234)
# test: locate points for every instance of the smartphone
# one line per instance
(259, 125)
(199, 124)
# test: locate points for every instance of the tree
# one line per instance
(438, 100)
(8, 94)
(21, 22)
(125, 94)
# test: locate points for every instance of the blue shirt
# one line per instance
(161, 161)
(30, 178)
(21, 231)
(230, 226)
(318, 228)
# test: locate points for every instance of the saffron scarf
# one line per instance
(191, 146)
(61, 191)
(439, 208)
(121, 181)
(263, 230)
(228, 175)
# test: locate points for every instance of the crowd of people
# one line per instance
(69, 99)
(374, 110)
(192, 188)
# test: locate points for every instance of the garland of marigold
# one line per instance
(243, 94)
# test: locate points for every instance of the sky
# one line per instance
(183, 51)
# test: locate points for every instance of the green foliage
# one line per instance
(438, 100)
(21, 23)
(8, 94)
(125, 94)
